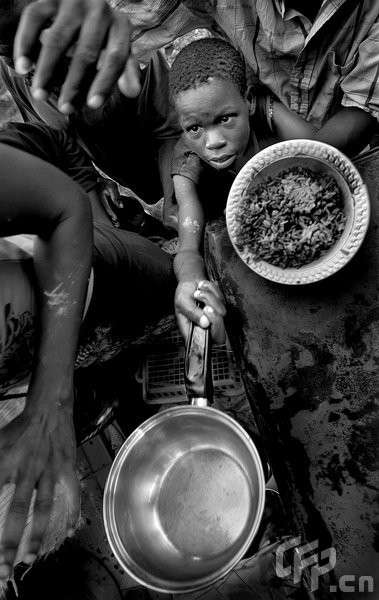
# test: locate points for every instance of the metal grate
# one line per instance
(163, 371)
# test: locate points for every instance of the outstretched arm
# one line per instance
(349, 130)
(97, 39)
(38, 448)
(87, 30)
(189, 266)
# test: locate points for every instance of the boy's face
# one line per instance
(215, 122)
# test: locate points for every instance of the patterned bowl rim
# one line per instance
(357, 198)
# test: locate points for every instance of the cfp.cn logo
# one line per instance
(320, 563)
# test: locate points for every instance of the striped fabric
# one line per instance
(312, 68)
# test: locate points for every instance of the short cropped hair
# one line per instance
(205, 58)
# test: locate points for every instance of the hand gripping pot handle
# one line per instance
(198, 366)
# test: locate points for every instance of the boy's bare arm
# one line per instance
(38, 448)
(189, 263)
(190, 269)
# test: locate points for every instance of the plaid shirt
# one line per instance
(312, 68)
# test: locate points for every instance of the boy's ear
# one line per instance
(250, 99)
(251, 105)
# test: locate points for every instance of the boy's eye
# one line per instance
(227, 118)
(193, 129)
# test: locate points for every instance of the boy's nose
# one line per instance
(214, 139)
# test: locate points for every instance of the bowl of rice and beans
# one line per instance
(297, 212)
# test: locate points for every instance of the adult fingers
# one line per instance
(116, 65)
(87, 20)
(41, 515)
(15, 521)
(130, 81)
(92, 26)
(73, 491)
(6, 492)
(96, 36)
(55, 42)
(33, 20)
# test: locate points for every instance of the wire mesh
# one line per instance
(163, 371)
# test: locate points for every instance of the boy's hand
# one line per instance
(37, 452)
(212, 313)
(98, 39)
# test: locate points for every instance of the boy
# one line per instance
(224, 124)
(208, 90)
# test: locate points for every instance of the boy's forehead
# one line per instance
(213, 95)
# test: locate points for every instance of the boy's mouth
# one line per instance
(222, 161)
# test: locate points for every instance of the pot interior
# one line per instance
(184, 499)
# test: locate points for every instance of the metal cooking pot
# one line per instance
(185, 494)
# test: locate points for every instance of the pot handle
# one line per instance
(198, 366)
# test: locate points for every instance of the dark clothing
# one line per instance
(31, 110)
(213, 186)
(134, 281)
(124, 137)
(54, 146)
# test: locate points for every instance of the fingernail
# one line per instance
(200, 285)
(96, 101)
(129, 85)
(29, 558)
(23, 65)
(40, 94)
(197, 293)
(209, 309)
(204, 321)
(70, 532)
(67, 108)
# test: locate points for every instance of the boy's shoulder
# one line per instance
(186, 162)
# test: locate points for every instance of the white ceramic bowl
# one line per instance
(326, 160)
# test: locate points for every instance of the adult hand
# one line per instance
(100, 58)
(211, 315)
(37, 452)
